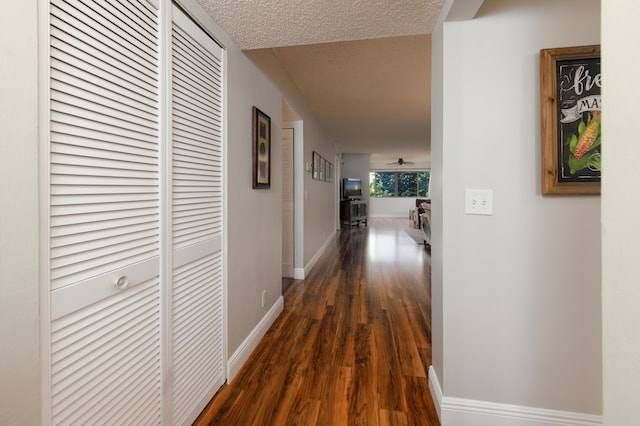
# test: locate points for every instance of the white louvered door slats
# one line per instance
(197, 351)
(104, 212)
(92, 375)
(104, 146)
(105, 347)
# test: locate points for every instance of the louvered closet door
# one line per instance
(104, 213)
(197, 339)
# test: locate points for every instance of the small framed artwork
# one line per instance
(322, 168)
(570, 83)
(316, 166)
(326, 170)
(261, 150)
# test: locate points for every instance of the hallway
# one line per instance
(352, 345)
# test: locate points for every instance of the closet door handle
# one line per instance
(122, 282)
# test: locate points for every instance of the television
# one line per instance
(351, 188)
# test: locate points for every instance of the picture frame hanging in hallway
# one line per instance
(316, 166)
(261, 150)
(570, 83)
(322, 169)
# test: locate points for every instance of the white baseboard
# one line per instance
(436, 390)
(240, 356)
(298, 274)
(314, 259)
(467, 412)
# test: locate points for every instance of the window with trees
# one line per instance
(399, 184)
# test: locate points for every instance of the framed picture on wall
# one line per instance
(316, 166)
(570, 83)
(322, 169)
(261, 150)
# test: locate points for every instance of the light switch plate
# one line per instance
(478, 201)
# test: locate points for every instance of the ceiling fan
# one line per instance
(400, 162)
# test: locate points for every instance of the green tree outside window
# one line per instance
(399, 184)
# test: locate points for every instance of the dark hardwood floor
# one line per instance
(352, 346)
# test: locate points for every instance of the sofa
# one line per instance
(414, 214)
(422, 204)
(423, 207)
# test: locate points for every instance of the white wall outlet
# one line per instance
(264, 298)
(478, 201)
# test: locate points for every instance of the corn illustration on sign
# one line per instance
(579, 83)
(571, 114)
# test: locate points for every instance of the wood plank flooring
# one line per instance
(352, 346)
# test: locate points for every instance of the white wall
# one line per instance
(19, 253)
(397, 207)
(437, 201)
(320, 198)
(520, 290)
(357, 166)
(620, 206)
(254, 215)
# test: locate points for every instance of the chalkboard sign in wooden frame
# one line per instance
(570, 116)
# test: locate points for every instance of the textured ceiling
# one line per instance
(363, 66)
(275, 23)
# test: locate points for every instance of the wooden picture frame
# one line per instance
(261, 150)
(570, 106)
